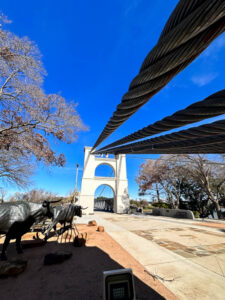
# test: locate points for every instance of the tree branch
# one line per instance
(7, 80)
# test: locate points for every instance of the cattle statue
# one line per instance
(64, 214)
(16, 218)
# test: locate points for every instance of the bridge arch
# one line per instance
(103, 202)
(103, 164)
(118, 183)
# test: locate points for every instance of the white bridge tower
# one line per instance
(118, 183)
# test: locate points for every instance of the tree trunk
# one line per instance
(157, 192)
(216, 202)
(177, 202)
(212, 198)
(218, 210)
(177, 199)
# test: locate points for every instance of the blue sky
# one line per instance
(91, 51)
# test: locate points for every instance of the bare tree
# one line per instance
(35, 195)
(164, 176)
(150, 178)
(15, 168)
(18, 196)
(3, 193)
(28, 116)
(168, 173)
(174, 177)
(209, 175)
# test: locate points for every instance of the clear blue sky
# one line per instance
(91, 51)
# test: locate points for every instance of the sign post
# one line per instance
(75, 189)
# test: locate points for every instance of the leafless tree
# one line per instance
(28, 116)
(163, 176)
(210, 175)
(14, 167)
(3, 193)
(169, 172)
(34, 195)
(148, 179)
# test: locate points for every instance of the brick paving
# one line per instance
(184, 250)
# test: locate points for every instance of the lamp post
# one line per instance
(75, 189)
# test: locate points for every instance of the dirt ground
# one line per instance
(212, 225)
(80, 277)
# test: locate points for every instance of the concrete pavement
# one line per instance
(189, 258)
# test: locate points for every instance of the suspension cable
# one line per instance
(193, 25)
(204, 134)
(212, 106)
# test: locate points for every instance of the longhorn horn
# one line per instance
(84, 207)
(55, 201)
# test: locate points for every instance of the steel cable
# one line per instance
(207, 148)
(193, 25)
(192, 137)
(216, 148)
(211, 106)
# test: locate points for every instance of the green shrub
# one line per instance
(160, 205)
(196, 213)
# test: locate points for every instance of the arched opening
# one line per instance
(104, 170)
(104, 198)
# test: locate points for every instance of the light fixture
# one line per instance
(118, 285)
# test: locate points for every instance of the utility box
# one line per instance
(118, 285)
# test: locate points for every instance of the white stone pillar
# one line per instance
(90, 182)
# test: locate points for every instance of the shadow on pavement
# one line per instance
(78, 278)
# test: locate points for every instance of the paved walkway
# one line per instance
(189, 257)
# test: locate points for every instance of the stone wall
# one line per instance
(173, 213)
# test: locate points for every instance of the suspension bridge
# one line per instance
(190, 29)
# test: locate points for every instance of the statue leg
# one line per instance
(54, 227)
(5, 245)
(18, 245)
(49, 229)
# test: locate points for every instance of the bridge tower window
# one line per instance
(104, 198)
(104, 170)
